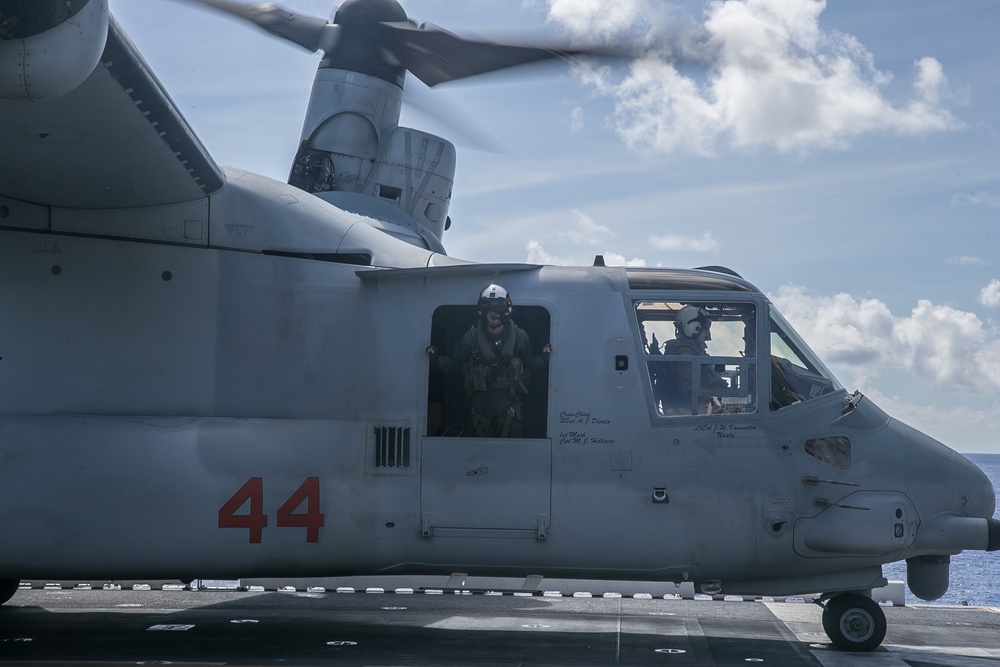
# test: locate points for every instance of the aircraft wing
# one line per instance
(115, 140)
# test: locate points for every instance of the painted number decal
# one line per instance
(311, 519)
(255, 520)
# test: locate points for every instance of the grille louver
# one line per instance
(392, 446)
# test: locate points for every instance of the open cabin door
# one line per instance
(481, 486)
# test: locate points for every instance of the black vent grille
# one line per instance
(392, 446)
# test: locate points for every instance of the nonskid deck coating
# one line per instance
(310, 627)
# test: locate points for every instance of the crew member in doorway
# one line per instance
(496, 359)
(673, 386)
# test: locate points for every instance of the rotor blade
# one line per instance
(435, 55)
(440, 109)
(306, 31)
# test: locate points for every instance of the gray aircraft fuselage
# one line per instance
(205, 412)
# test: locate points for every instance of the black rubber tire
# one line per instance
(7, 589)
(854, 622)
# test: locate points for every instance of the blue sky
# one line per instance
(843, 158)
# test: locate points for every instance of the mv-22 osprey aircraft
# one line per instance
(199, 378)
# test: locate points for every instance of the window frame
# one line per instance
(799, 348)
(758, 362)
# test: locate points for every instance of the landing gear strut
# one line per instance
(854, 622)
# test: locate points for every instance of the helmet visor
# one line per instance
(497, 305)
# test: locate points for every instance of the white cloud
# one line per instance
(576, 121)
(601, 19)
(615, 259)
(976, 199)
(776, 78)
(930, 81)
(967, 427)
(706, 243)
(989, 296)
(947, 347)
(538, 255)
(967, 260)
(585, 230)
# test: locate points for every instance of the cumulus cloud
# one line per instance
(930, 80)
(968, 260)
(706, 243)
(602, 19)
(584, 230)
(976, 199)
(968, 427)
(775, 78)
(537, 254)
(948, 347)
(615, 259)
(989, 296)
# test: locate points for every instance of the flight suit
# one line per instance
(496, 371)
(673, 386)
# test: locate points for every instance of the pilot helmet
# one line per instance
(497, 298)
(690, 320)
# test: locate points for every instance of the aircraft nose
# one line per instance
(977, 496)
(942, 481)
(959, 515)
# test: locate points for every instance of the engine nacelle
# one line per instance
(417, 175)
(352, 145)
(49, 47)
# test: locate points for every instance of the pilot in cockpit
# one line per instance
(672, 381)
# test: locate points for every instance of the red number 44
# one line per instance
(255, 520)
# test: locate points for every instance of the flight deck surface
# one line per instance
(308, 627)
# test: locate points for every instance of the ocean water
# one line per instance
(975, 575)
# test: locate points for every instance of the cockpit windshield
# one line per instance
(797, 374)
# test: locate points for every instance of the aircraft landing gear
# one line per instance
(7, 589)
(854, 622)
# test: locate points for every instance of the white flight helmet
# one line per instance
(497, 298)
(690, 320)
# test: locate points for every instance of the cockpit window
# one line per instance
(797, 374)
(701, 358)
(836, 451)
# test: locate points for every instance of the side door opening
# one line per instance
(473, 487)
(447, 399)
